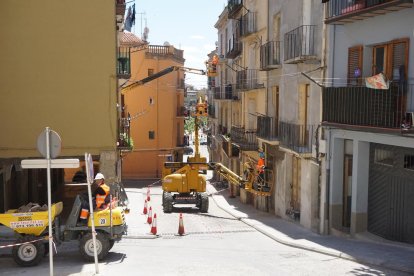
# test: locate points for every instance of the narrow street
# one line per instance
(215, 243)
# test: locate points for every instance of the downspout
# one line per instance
(268, 72)
(325, 219)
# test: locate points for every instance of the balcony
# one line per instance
(120, 7)
(234, 47)
(266, 128)
(345, 11)
(182, 111)
(233, 7)
(211, 111)
(225, 92)
(300, 44)
(222, 130)
(270, 56)
(297, 137)
(230, 148)
(247, 79)
(372, 109)
(125, 142)
(245, 139)
(165, 52)
(123, 69)
(248, 24)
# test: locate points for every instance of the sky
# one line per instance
(186, 24)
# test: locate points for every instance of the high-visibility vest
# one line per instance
(100, 199)
(84, 213)
(260, 165)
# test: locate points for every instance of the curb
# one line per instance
(327, 252)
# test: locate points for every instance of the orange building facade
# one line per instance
(156, 111)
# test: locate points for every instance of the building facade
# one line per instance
(156, 111)
(57, 73)
(368, 132)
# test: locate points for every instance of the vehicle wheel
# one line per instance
(86, 246)
(163, 195)
(111, 244)
(168, 202)
(204, 203)
(29, 254)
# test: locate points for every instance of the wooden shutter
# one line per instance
(399, 58)
(354, 62)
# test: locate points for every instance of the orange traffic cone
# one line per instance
(181, 225)
(154, 225)
(145, 211)
(149, 219)
(148, 194)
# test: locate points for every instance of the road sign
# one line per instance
(55, 143)
(54, 163)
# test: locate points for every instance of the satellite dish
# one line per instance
(166, 43)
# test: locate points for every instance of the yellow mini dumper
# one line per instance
(31, 229)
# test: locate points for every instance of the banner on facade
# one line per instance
(377, 82)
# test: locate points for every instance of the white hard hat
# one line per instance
(99, 176)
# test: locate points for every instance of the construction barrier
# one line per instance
(181, 225)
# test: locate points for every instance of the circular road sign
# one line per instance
(55, 143)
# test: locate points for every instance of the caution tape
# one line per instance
(18, 244)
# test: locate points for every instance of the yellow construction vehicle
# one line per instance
(31, 229)
(184, 182)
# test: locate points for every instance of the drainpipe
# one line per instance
(325, 219)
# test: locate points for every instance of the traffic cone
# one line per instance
(181, 225)
(148, 194)
(149, 219)
(145, 211)
(154, 225)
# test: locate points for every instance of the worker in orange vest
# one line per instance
(260, 168)
(100, 198)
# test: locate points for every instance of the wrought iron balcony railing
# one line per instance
(235, 47)
(124, 139)
(224, 92)
(297, 137)
(234, 6)
(123, 63)
(245, 139)
(346, 11)
(248, 24)
(270, 55)
(267, 128)
(211, 111)
(362, 106)
(230, 148)
(182, 111)
(248, 79)
(299, 44)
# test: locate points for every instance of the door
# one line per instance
(347, 192)
(303, 114)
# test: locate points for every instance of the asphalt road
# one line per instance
(215, 244)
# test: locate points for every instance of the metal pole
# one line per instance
(49, 200)
(95, 253)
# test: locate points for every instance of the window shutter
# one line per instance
(354, 62)
(399, 59)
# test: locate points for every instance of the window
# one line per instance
(355, 65)
(151, 135)
(391, 58)
(384, 157)
(150, 72)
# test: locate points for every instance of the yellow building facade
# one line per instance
(58, 70)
